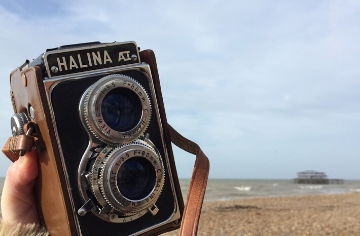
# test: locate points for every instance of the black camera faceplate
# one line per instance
(65, 98)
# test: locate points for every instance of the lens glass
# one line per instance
(136, 178)
(121, 109)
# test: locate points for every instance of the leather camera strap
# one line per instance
(196, 192)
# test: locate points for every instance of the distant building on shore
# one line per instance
(314, 177)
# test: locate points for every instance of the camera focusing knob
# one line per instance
(18, 121)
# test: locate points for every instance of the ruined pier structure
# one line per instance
(314, 177)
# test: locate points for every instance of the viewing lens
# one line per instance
(136, 178)
(121, 109)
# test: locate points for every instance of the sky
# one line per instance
(266, 88)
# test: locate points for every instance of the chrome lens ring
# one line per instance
(113, 163)
(93, 109)
(110, 214)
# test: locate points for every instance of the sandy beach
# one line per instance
(301, 215)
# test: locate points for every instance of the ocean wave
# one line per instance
(311, 187)
(243, 188)
(357, 190)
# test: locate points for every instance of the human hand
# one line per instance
(17, 201)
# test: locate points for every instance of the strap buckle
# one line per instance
(19, 145)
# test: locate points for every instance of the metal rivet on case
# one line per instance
(133, 57)
(24, 80)
(54, 69)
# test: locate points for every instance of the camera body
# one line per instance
(108, 168)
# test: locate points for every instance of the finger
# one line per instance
(18, 203)
(27, 168)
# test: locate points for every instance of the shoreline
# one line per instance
(275, 196)
(329, 214)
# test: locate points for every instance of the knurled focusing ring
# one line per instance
(144, 165)
(116, 109)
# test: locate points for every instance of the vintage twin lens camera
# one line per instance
(115, 168)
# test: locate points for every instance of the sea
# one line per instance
(228, 189)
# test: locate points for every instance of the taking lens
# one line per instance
(121, 109)
(136, 178)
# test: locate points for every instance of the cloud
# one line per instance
(240, 78)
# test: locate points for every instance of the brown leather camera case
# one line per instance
(51, 192)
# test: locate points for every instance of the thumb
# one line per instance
(18, 203)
